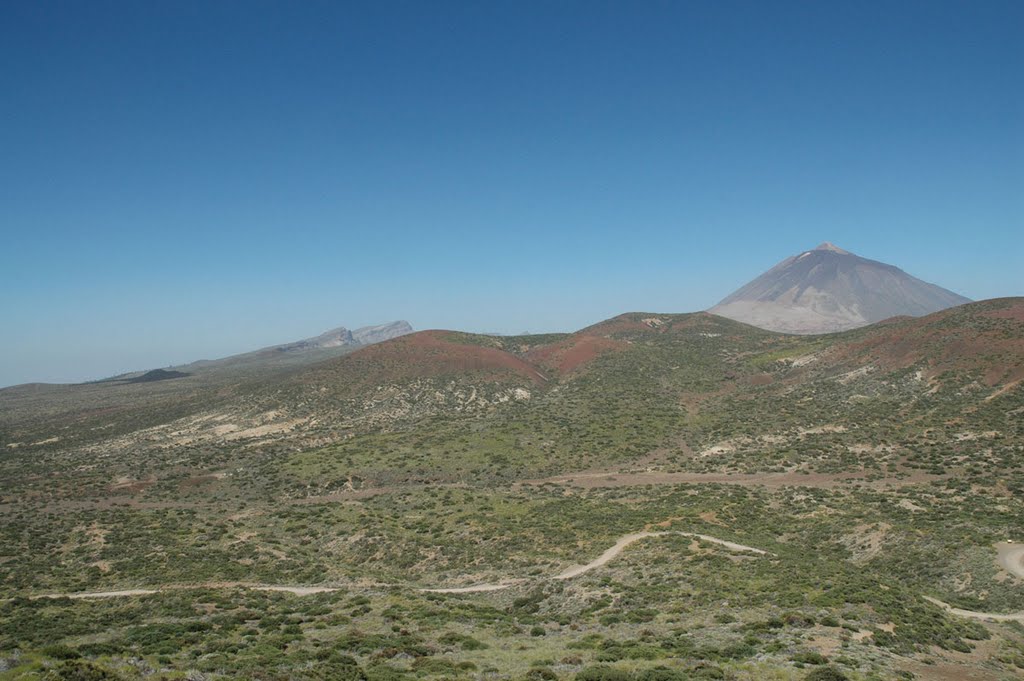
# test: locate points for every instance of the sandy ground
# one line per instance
(1011, 558)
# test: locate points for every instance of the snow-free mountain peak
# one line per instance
(829, 289)
(829, 246)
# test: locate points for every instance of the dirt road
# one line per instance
(102, 594)
(476, 588)
(592, 479)
(974, 614)
(628, 539)
(569, 573)
(297, 590)
(1010, 557)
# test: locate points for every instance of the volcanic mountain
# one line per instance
(828, 289)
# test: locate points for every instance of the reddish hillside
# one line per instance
(984, 339)
(574, 352)
(426, 354)
(630, 323)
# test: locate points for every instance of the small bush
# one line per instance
(602, 672)
(79, 670)
(60, 652)
(810, 657)
(659, 673)
(826, 674)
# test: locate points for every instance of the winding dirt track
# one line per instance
(617, 548)
(102, 594)
(975, 615)
(628, 539)
(1011, 558)
(569, 573)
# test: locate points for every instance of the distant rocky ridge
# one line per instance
(331, 343)
(342, 336)
(828, 289)
(157, 375)
(334, 342)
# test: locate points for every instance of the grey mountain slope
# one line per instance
(335, 341)
(341, 336)
(329, 344)
(368, 335)
(155, 395)
(828, 289)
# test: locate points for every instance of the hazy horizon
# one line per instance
(223, 347)
(279, 335)
(197, 180)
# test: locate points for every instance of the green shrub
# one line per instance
(602, 672)
(383, 672)
(810, 657)
(80, 670)
(826, 674)
(60, 652)
(706, 671)
(659, 673)
(465, 642)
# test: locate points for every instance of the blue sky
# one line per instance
(182, 180)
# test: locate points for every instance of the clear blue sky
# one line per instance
(181, 180)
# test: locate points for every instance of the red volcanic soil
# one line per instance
(425, 354)
(892, 321)
(573, 352)
(624, 323)
(1014, 311)
(986, 336)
